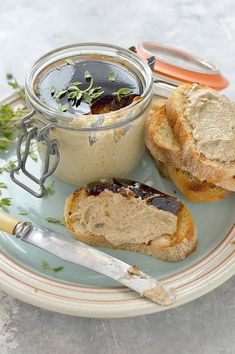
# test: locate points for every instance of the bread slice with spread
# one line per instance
(128, 215)
(204, 122)
(164, 146)
(190, 186)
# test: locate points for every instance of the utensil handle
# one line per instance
(7, 222)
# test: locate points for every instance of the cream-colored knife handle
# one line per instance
(7, 222)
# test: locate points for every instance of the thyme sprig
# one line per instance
(23, 211)
(9, 117)
(124, 91)
(9, 124)
(46, 266)
(12, 82)
(2, 186)
(8, 166)
(76, 94)
(63, 107)
(49, 189)
(5, 202)
(54, 220)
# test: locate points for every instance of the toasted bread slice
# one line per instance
(228, 184)
(191, 187)
(168, 247)
(163, 145)
(160, 139)
(205, 168)
(158, 102)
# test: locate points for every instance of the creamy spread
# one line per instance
(87, 156)
(212, 120)
(123, 220)
(134, 270)
(160, 294)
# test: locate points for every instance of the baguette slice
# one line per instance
(195, 161)
(158, 102)
(160, 139)
(168, 247)
(191, 187)
(163, 145)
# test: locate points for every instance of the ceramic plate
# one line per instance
(77, 291)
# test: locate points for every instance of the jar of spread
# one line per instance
(89, 104)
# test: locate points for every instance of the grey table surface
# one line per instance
(28, 29)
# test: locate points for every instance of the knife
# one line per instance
(81, 254)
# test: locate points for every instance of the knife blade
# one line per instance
(81, 254)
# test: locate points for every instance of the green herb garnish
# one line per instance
(124, 91)
(75, 94)
(5, 202)
(22, 211)
(4, 143)
(112, 76)
(70, 61)
(45, 265)
(63, 107)
(15, 85)
(55, 220)
(2, 185)
(57, 269)
(9, 124)
(8, 166)
(76, 83)
(60, 94)
(87, 75)
(49, 189)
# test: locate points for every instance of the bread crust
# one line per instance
(193, 189)
(170, 153)
(195, 162)
(176, 247)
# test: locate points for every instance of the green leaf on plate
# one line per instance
(57, 269)
(5, 202)
(22, 211)
(54, 220)
(49, 189)
(45, 265)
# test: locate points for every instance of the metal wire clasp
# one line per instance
(30, 132)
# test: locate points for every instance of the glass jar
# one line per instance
(81, 149)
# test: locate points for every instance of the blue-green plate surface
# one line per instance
(213, 222)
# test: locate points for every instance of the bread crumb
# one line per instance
(233, 242)
(134, 270)
(159, 294)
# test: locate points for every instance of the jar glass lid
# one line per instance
(179, 65)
